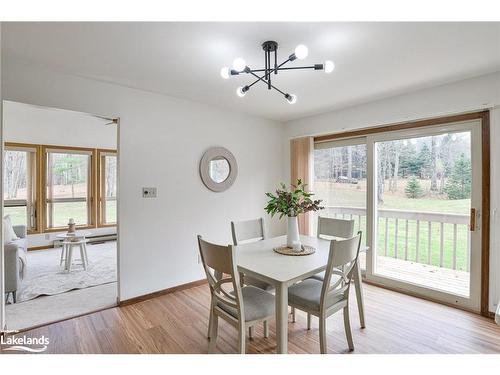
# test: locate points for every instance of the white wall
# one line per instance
(161, 140)
(468, 95)
(25, 123)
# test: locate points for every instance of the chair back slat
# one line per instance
(220, 268)
(341, 261)
(248, 230)
(335, 227)
(216, 257)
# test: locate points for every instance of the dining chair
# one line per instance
(327, 228)
(325, 298)
(242, 307)
(249, 231)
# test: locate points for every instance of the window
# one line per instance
(20, 185)
(68, 187)
(107, 188)
(340, 181)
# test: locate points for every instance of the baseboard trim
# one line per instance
(162, 292)
(45, 247)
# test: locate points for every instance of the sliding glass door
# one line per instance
(340, 181)
(416, 195)
(426, 198)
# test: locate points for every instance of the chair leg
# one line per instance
(250, 332)
(242, 339)
(266, 329)
(14, 297)
(308, 321)
(210, 321)
(322, 335)
(213, 334)
(347, 327)
(293, 315)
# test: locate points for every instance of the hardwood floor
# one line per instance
(177, 323)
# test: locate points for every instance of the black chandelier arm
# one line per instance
(314, 67)
(265, 82)
(275, 69)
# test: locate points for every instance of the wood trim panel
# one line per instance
(100, 177)
(44, 247)
(301, 150)
(401, 126)
(484, 116)
(162, 292)
(485, 217)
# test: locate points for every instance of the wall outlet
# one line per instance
(149, 192)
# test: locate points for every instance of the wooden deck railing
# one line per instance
(401, 219)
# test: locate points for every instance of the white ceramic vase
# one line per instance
(292, 234)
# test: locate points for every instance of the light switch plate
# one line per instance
(149, 192)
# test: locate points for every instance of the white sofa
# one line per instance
(15, 257)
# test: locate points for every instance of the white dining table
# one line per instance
(258, 259)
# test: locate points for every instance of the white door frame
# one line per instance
(474, 126)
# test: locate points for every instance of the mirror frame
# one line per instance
(209, 155)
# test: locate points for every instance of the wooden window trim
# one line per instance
(484, 116)
(37, 228)
(90, 184)
(100, 178)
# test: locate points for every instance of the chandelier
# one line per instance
(272, 67)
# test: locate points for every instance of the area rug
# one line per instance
(46, 277)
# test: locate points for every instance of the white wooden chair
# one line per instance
(246, 232)
(242, 307)
(249, 231)
(325, 298)
(328, 228)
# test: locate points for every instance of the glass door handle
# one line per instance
(472, 223)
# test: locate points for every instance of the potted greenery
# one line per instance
(291, 203)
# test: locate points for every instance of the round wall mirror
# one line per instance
(218, 169)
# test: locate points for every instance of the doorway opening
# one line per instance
(59, 214)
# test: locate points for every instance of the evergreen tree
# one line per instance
(424, 161)
(459, 185)
(413, 189)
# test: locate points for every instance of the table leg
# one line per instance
(282, 318)
(359, 294)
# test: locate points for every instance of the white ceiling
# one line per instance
(373, 60)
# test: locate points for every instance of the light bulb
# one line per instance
(239, 64)
(240, 92)
(224, 72)
(292, 99)
(301, 51)
(329, 66)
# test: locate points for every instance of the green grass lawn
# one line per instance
(62, 213)
(349, 195)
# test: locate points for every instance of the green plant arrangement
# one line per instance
(293, 202)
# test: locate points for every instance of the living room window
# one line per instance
(107, 187)
(68, 186)
(20, 184)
